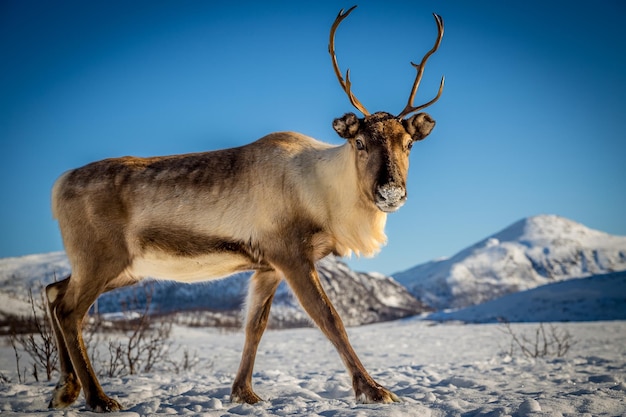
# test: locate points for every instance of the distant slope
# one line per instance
(360, 298)
(532, 252)
(596, 298)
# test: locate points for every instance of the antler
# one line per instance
(346, 85)
(420, 71)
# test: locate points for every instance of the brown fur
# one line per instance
(275, 206)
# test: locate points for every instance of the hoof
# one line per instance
(104, 405)
(377, 395)
(65, 393)
(369, 392)
(244, 395)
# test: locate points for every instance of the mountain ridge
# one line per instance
(531, 252)
(359, 297)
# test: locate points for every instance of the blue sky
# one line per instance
(531, 120)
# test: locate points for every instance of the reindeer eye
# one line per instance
(409, 145)
(359, 144)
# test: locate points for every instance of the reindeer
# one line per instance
(274, 206)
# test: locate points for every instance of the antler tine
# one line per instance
(420, 72)
(346, 85)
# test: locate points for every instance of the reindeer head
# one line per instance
(382, 141)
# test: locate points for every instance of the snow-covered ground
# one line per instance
(543, 268)
(437, 369)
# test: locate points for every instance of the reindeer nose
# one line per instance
(390, 197)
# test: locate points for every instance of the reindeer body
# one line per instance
(275, 207)
(207, 215)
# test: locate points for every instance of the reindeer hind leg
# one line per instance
(68, 387)
(69, 302)
(69, 314)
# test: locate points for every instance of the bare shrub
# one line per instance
(39, 344)
(224, 319)
(4, 379)
(20, 377)
(550, 342)
(187, 362)
(139, 342)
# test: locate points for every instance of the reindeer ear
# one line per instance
(419, 125)
(346, 126)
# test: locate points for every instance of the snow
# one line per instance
(543, 268)
(437, 370)
(600, 297)
(596, 298)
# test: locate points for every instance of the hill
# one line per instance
(532, 252)
(595, 298)
(359, 297)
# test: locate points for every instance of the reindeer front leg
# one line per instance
(263, 285)
(305, 283)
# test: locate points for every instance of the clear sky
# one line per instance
(532, 119)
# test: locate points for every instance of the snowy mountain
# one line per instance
(360, 298)
(595, 298)
(532, 252)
